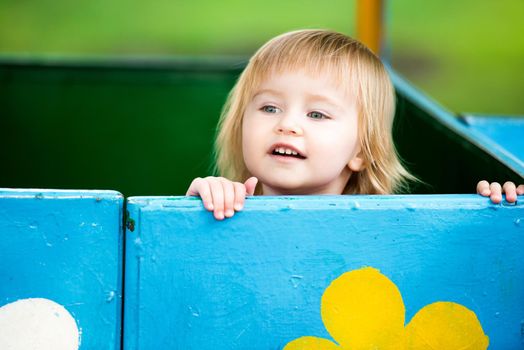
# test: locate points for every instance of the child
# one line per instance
(311, 113)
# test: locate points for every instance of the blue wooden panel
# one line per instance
(255, 281)
(507, 133)
(65, 246)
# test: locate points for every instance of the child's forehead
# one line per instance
(326, 75)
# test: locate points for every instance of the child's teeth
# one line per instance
(286, 151)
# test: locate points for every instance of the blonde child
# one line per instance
(311, 114)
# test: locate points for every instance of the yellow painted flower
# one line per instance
(363, 310)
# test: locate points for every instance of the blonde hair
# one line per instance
(355, 68)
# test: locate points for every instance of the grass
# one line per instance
(466, 54)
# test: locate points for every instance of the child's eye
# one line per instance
(317, 115)
(270, 109)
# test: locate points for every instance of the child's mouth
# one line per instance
(286, 152)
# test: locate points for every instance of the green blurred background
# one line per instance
(466, 54)
(125, 95)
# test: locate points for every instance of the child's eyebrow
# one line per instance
(268, 91)
(322, 98)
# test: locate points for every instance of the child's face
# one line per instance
(309, 117)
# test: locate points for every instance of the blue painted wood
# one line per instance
(505, 134)
(66, 246)
(255, 281)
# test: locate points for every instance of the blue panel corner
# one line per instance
(67, 247)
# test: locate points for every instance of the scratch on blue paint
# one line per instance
(194, 313)
(240, 334)
(295, 280)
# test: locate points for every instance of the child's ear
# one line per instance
(356, 164)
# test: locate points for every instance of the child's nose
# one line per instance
(287, 125)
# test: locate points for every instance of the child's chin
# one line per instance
(289, 187)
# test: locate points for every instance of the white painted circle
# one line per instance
(39, 324)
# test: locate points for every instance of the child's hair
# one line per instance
(354, 68)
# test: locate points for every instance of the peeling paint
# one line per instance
(194, 313)
(295, 280)
(130, 222)
(110, 296)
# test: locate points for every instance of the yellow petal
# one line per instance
(363, 309)
(311, 343)
(445, 325)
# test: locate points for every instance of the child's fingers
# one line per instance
(193, 188)
(251, 184)
(483, 188)
(229, 197)
(520, 190)
(511, 191)
(496, 192)
(200, 187)
(240, 195)
(204, 190)
(217, 191)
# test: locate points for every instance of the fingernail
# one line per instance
(210, 206)
(238, 206)
(219, 215)
(230, 213)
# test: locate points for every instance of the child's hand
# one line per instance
(222, 196)
(494, 191)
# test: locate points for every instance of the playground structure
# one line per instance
(184, 281)
(142, 272)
